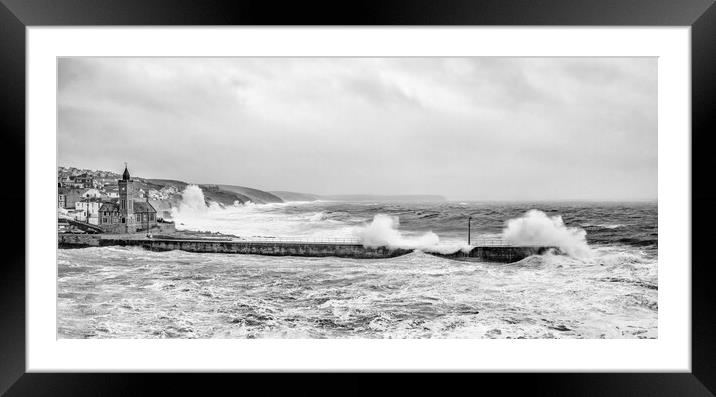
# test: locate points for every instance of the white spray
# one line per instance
(193, 203)
(193, 212)
(383, 232)
(536, 228)
(246, 220)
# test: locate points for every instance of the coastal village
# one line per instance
(105, 202)
(96, 201)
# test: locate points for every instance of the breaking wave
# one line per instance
(249, 220)
(536, 228)
(193, 202)
(383, 231)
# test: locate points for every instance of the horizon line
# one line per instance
(446, 198)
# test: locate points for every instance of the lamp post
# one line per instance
(147, 214)
(469, 219)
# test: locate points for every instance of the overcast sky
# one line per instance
(464, 128)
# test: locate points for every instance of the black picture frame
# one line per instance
(700, 15)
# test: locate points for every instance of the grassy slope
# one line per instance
(257, 196)
(293, 196)
(223, 194)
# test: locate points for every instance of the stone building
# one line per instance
(111, 192)
(64, 180)
(67, 197)
(127, 214)
(80, 181)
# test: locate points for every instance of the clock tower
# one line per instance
(126, 198)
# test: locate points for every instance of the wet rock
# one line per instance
(559, 327)
(493, 332)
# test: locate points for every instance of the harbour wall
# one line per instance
(504, 254)
(357, 251)
(275, 249)
(498, 253)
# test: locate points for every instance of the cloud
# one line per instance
(480, 128)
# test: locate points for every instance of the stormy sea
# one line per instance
(601, 284)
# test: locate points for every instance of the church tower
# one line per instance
(126, 198)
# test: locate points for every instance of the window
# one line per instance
(104, 220)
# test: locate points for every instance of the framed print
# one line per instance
(470, 189)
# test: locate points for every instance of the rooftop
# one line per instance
(125, 175)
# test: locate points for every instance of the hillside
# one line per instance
(160, 183)
(223, 196)
(293, 196)
(255, 195)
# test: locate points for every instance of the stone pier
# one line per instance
(505, 254)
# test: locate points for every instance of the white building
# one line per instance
(90, 206)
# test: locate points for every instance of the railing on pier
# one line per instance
(488, 242)
(476, 242)
(300, 240)
(479, 242)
